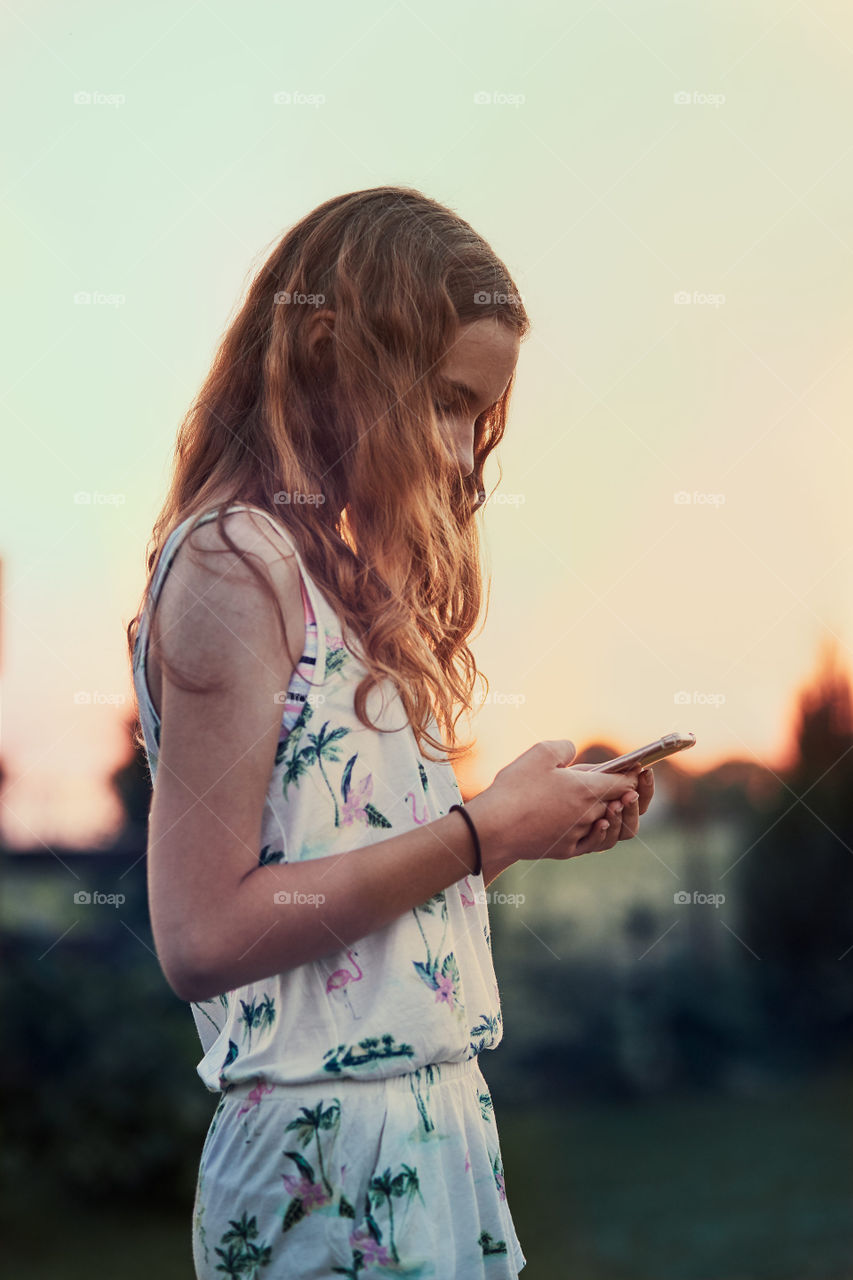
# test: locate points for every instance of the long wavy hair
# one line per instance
(385, 521)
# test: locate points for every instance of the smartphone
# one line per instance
(643, 756)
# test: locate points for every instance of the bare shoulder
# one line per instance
(215, 612)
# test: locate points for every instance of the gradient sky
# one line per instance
(605, 192)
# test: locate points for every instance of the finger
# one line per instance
(646, 788)
(592, 843)
(630, 821)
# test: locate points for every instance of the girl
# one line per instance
(316, 886)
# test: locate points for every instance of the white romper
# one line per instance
(354, 1133)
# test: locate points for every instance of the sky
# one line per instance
(671, 188)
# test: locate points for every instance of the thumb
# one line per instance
(562, 750)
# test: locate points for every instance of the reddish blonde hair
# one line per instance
(392, 541)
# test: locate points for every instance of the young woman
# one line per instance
(300, 662)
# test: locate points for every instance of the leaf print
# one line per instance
(424, 782)
(336, 655)
(229, 1058)
(374, 817)
(347, 775)
(268, 856)
(301, 1163)
(487, 1030)
(486, 1105)
(345, 1209)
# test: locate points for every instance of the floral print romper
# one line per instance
(354, 1133)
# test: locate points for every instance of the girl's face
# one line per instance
(473, 376)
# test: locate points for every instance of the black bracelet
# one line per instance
(479, 867)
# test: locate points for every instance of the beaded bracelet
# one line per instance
(479, 867)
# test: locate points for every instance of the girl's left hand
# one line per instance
(625, 825)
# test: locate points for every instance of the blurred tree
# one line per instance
(132, 784)
(794, 883)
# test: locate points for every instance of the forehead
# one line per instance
(482, 355)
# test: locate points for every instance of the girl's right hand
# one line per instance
(538, 808)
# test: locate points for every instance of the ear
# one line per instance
(320, 326)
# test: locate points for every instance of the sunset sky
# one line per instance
(627, 156)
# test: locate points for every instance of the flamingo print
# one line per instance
(466, 901)
(253, 1099)
(410, 795)
(339, 979)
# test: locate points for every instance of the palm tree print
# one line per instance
(426, 1074)
(440, 976)
(309, 1124)
(321, 746)
(347, 1055)
(488, 1245)
(243, 1257)
(385, 1187)
(257, 1016)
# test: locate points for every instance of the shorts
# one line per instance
(394, 1176)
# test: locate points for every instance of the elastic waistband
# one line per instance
(432, 1073)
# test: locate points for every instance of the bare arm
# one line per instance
(216, 921)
